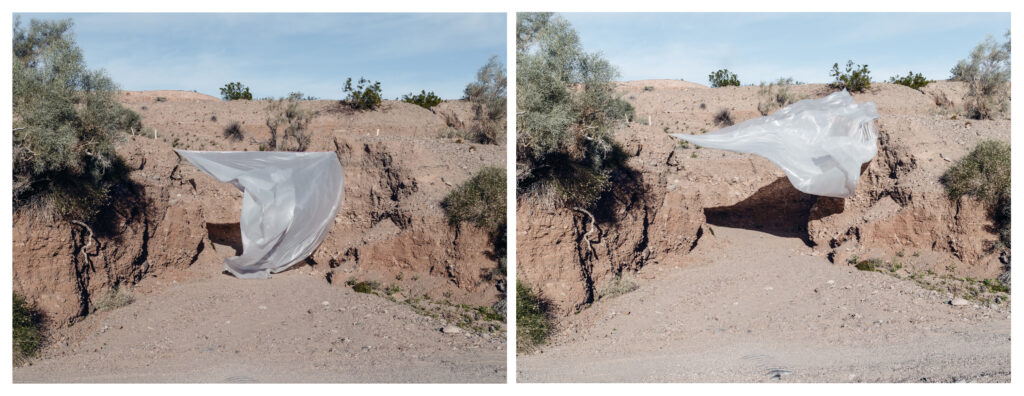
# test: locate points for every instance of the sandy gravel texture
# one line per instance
(291, 328)
(748, 306)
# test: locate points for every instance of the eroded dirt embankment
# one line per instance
(660, 210)
(177, 223)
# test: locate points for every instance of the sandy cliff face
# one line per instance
(178, 223)
(676, 194)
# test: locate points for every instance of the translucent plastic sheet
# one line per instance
(819, 143)
(289, 204)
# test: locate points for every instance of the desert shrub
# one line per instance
(235, 91)
(856, 78)
(367, 287)
(723, 118)
(364, 96)
(617, 285)
(534, 318)
(867, 265)
(984, 174)
(775, 95)
(423, 99)
(113, 298)
(287, 113)
(27, 323)
(66, 120)
(487, 94)
(723, 78)
(481, 200)
(987, 74)
(567, 111)
(234, 131)
(911, 80)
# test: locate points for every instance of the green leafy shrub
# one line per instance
(775, 95)
(66, 120)
(234, 131)
(235, 91)
(723, 78)
(911, 80)
(488, 97)
(367, 287)
(984, 174)
(424, 99)
(481, 200)
(987, 74)
(856, 78)
(27, 322)
(287, 113)
(567, 111)
(364, 96)
(534, 318)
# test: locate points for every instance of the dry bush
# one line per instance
(287, 113)
(987, 74)
(775, 95)
(234, 132)
(724, 118)
(113, 298)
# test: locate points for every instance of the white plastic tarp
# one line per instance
(819, 143)
(288, 207)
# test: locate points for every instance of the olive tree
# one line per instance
(567, 111)
(66, 121)
(487, 94)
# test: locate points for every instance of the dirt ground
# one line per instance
(749, 306)
(291, 328)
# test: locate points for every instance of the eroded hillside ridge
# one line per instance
(178, 223)
(677, 192)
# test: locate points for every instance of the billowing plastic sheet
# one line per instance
(288, 207)
(819, 143)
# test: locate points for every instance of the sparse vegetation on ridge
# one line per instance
(915, 81)
(987, 74)
(856, 78)
(234, 91)
(488, 97)
(723, 78)
(364, 96)
(775, 95)
(423, 99)
(287, 113)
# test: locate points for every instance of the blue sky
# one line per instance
(275, 54)
(765, 46)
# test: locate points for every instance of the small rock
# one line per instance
(325, 303)
(958, 302)
(451, 330)
(263, 307)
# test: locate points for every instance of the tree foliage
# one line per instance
(423, 99)
(488, 96)
(567, 111)
(911, 80)
(364, 96)
(856, 78)
(235, 91)
(66, 122)
(723, 78)
(987, 74)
